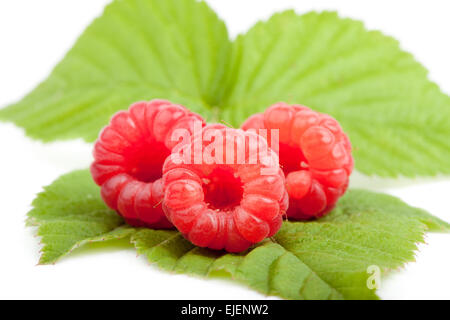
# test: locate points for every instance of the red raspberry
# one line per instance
(224, 204)
(315, 155)
(129, 155)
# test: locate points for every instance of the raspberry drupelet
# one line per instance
(129, 155)
(315, 155)
(226, 201)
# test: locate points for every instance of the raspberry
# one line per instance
(129, 155)
(226, 203)
(315, 155)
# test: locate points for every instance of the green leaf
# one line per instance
(137, 50)
(365, 229)
(70, 213)
(398, 121)
(267, 268)
(324, 259)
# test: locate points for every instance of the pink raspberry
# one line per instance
(225, 204)
(315, 154)
(129, 155)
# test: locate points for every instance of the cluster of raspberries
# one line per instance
(231, 199)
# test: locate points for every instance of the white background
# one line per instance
(34, 36)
